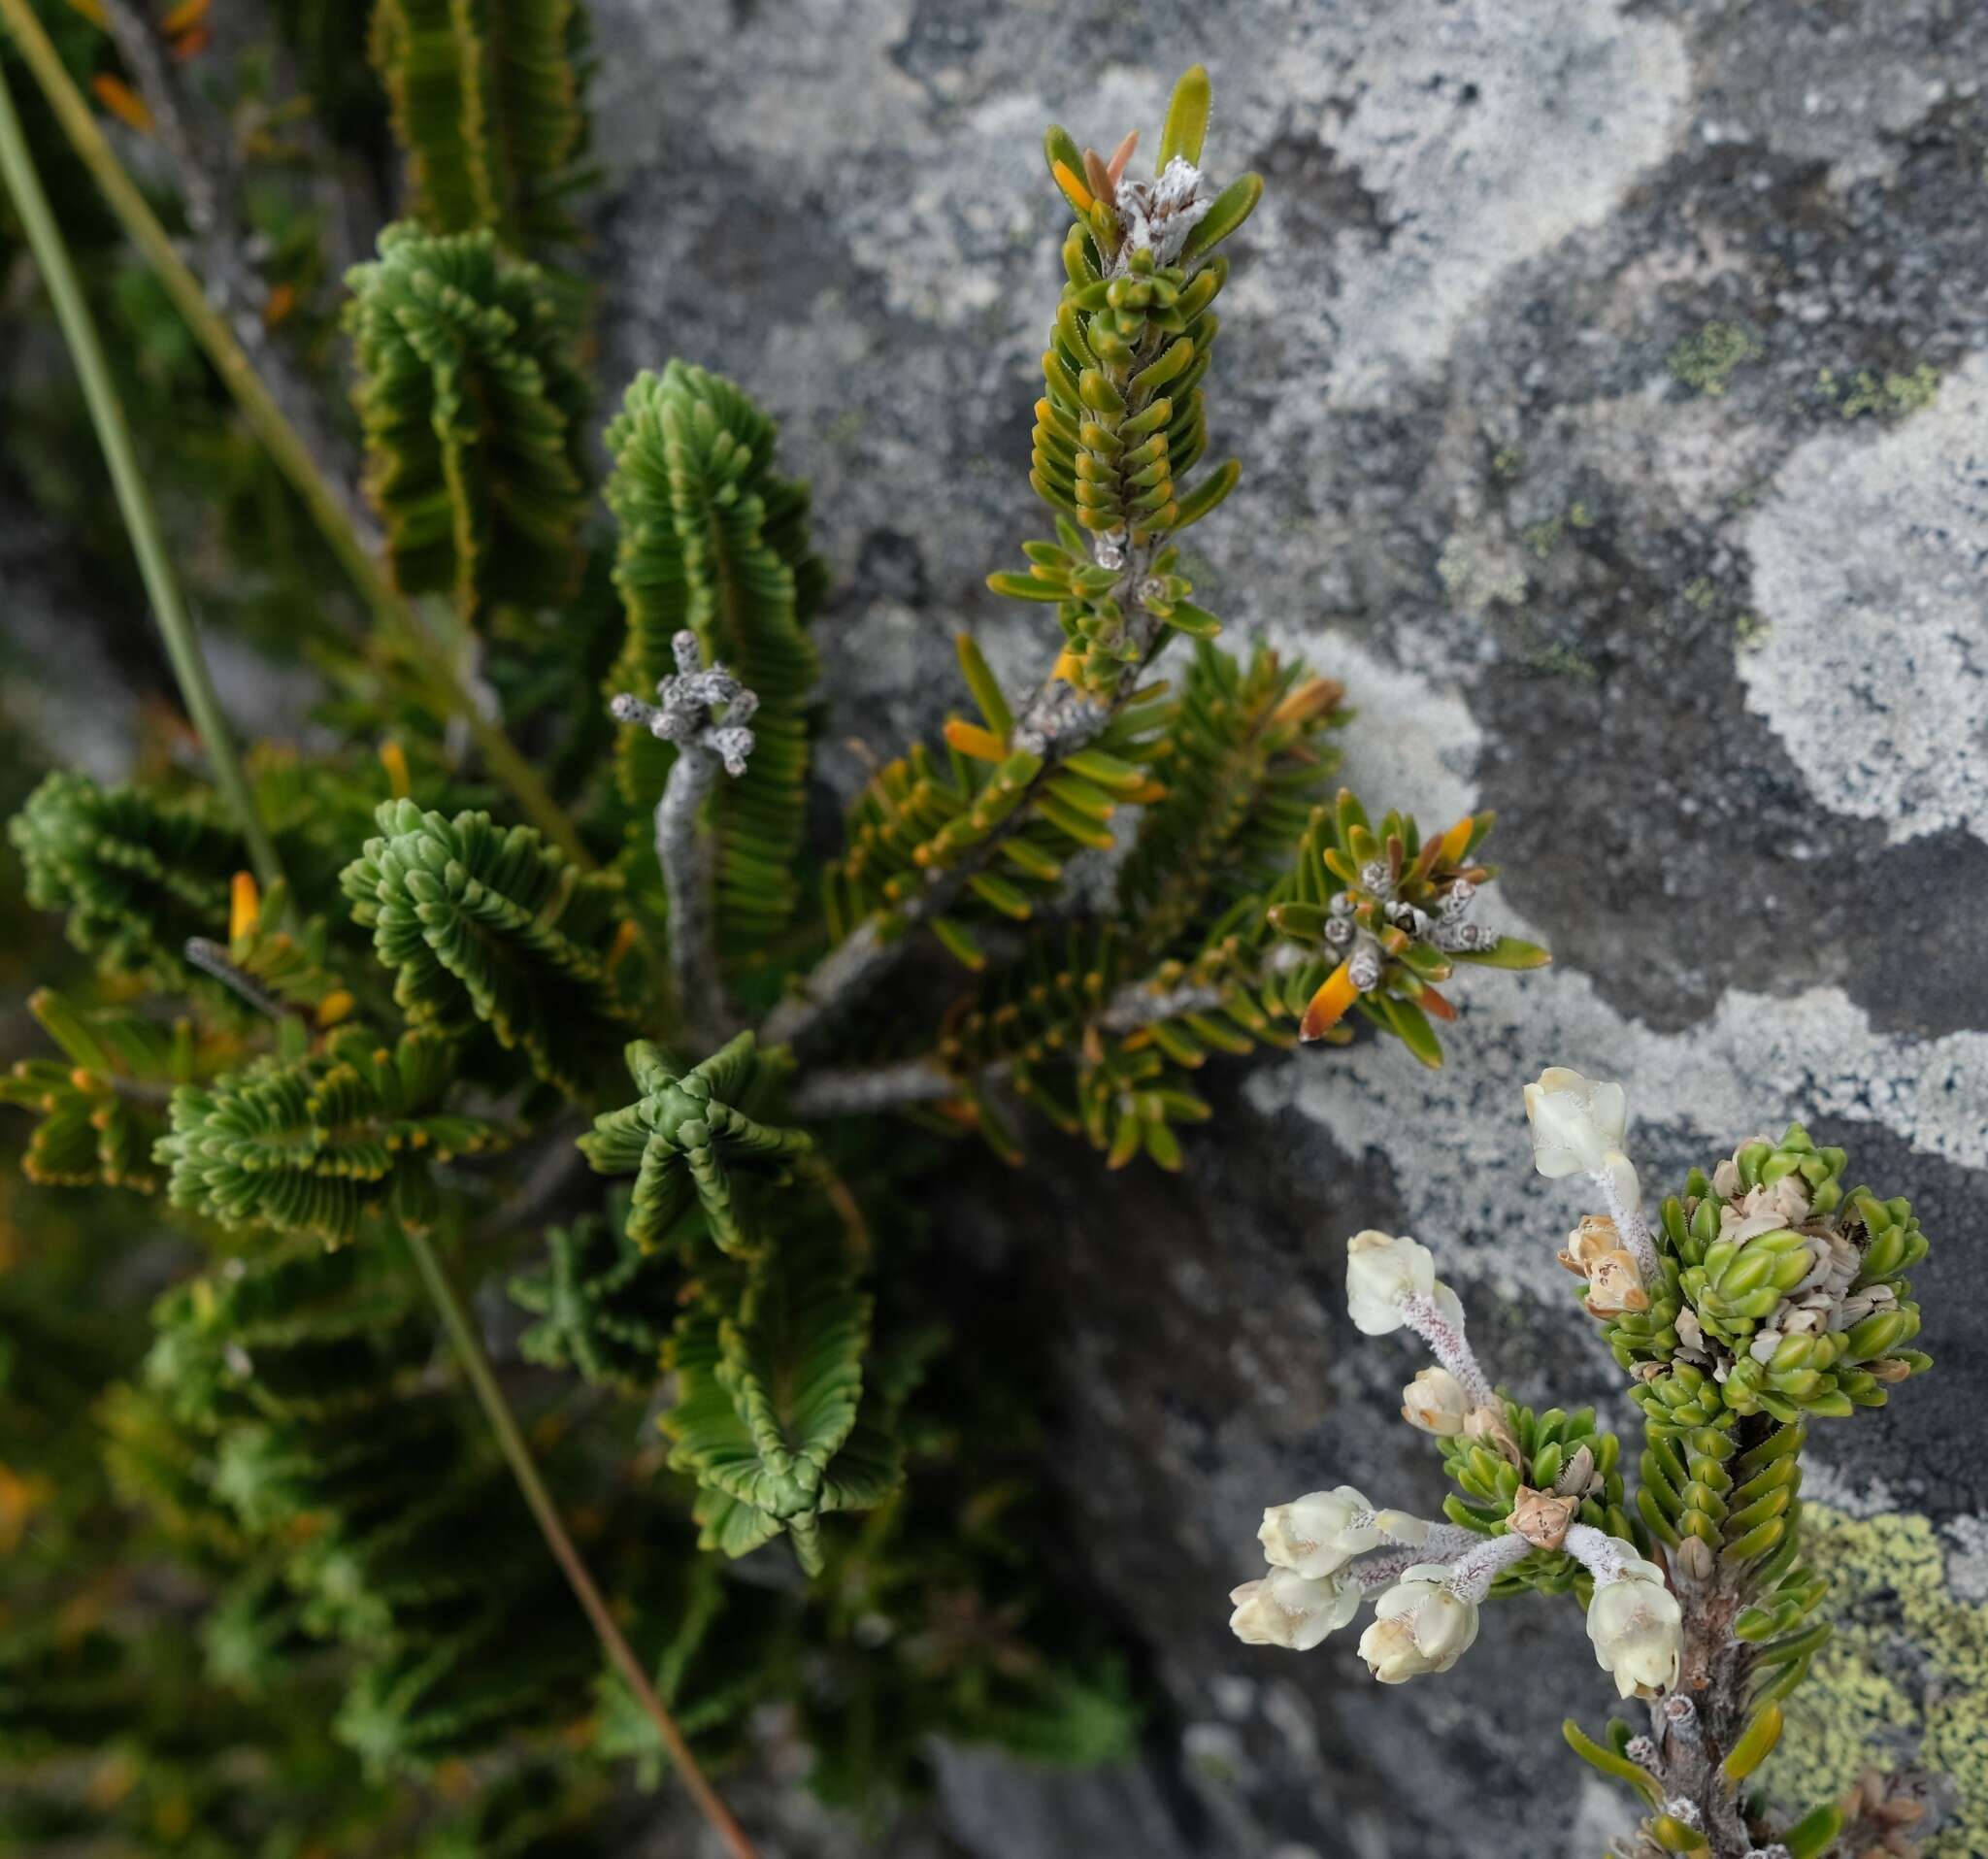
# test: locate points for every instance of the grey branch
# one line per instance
(205, 170)
(1059, 721)
(211, 959)
(865, 1090)
(685, 713)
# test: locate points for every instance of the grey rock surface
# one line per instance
(1611, 386)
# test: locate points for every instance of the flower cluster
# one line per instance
(1765, 1289)
(1766, 1295)
(1331, 1549)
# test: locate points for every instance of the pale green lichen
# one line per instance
(1893, 396)
(1904, 1681)
(1706, 361)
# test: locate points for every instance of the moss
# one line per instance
(1903, 1681)
(1706, 361)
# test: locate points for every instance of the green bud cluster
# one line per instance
(1548, 1451)
(1369, 909)
(1727, 1333)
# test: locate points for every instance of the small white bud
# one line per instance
(1380, 1271)
(1318, 1534)
(1435, 1401)
(1285, 1608)
(1638, 1629)
(1576, 1121)
(1402, 1526)
(1420, 1625)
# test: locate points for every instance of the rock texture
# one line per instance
(1611, 383)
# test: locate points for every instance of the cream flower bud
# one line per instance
(1285, 1608)
(1576, 1121)
(1435, 1401)
(1637, 1630)
(1419, 1625)
(1625, 1190)
(1380, 1271)
(1402, 1526)
(1318, 1534)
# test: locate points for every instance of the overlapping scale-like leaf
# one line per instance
(994, 807)
(1245, 757)
(1121, 421)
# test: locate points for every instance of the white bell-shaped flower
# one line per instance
(1638, 1629)
(1420, 1624)
(1318, 1534)
(1380, 1271)
(1285, 1608)
(1576, 1121)
(1435, 1401)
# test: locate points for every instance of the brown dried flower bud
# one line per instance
(1488, 1424)
(1594, 1235)
(1542, 1520)
(1616, 1285)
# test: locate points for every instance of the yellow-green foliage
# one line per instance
(487, 103)
(470, 403)
(1905, 1679)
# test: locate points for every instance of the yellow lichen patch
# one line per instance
(1904, 1681)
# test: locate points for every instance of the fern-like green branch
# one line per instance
(473, 411)
(689, 1143)
(320, 1145)
(478, 923)
(714, 541)
(488, 104)
(138, 877)
(769, 1410)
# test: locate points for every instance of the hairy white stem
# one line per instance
(881, 1087)
(211, 959)
(1449, 1345)
(684, 851)
(1632, 1226)
(1600, 1554)
(1471, 1577)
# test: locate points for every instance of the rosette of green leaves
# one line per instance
(1555, 1449)
(1388, 886)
